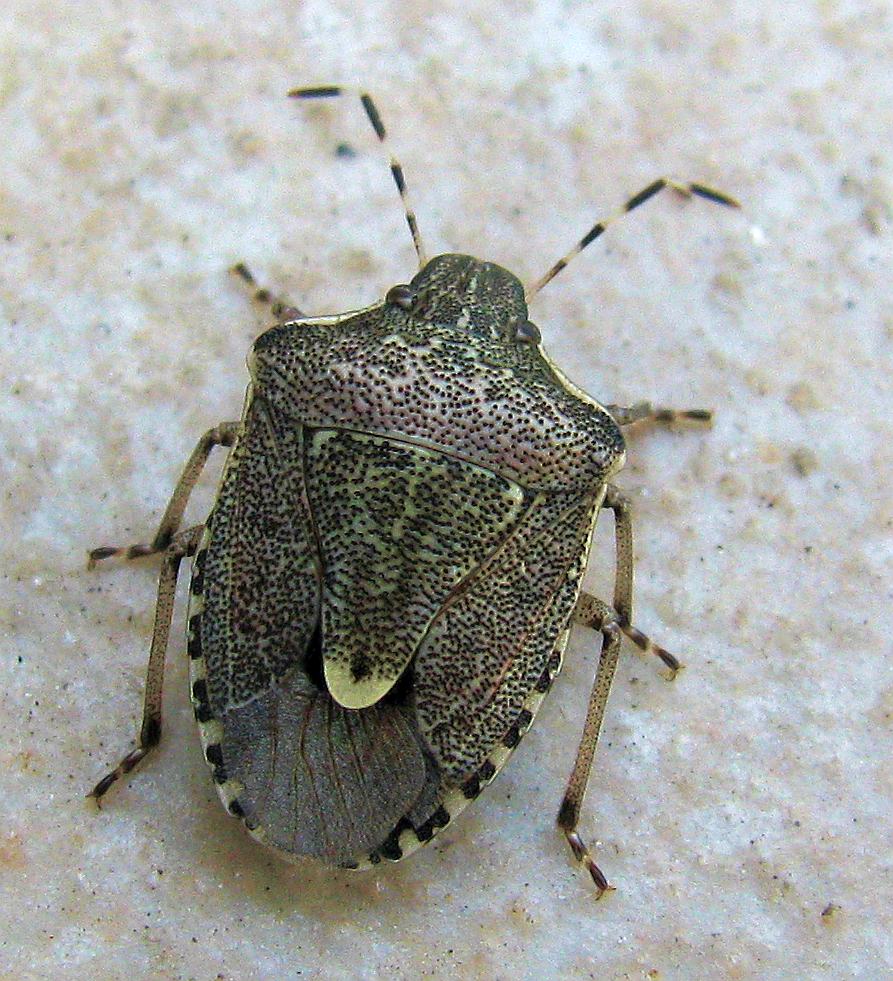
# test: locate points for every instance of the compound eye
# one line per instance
(400, 296)
(527, 333)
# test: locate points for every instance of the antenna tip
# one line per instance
(320, 92)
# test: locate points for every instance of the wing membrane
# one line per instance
(322, 780)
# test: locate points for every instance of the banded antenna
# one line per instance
(687, 190)
(372, 113)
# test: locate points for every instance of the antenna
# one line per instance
(687, 190)
(332, 91)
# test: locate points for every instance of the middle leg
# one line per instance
(626, 415)
(182, 544)
(619, 503)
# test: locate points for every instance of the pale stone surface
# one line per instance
(744, 812)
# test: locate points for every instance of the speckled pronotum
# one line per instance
(383, 591)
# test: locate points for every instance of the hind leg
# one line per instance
(613, 622)
(181, 545)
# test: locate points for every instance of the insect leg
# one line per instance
(569, 812)
(374, 117)
(612, 622)
(623, 582)
(591, 612)
(686, 189)
(644, 411)
(222, 435)
(282, 310)
(182, 544)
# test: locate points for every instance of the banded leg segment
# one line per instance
(222, 435)
(627, 415)
(374, 117)
(619, 503)
(282, 309)
(569, 812)
(686, 189)
(613, 622)
(181, 545)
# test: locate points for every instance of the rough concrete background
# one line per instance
(744, 812)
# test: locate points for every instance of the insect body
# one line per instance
(383, 591)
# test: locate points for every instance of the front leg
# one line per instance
(283, 311)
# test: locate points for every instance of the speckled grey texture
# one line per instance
(744, 812)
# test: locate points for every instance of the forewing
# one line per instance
(488, 649)
(259, 570)
(400, 529)
(307, 776)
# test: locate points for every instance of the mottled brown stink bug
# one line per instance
(383, 591)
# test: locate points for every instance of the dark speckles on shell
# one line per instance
(400, 528)
(260, 596)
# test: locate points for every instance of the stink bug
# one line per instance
(384, 589)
